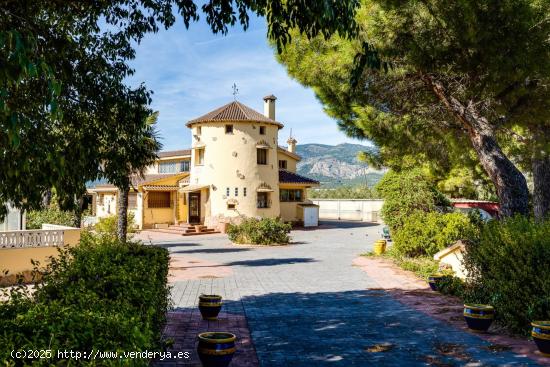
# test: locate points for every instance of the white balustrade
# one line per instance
(32, 238)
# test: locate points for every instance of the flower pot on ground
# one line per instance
(479, 317)
(198, 228)
(216, 349)
(541, 336)
(434, 279)
(379, 247)
(210, 306)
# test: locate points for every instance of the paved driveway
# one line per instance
(306, 305)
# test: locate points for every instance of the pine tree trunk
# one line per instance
(510, 184)
(122, 222)
(541, 190)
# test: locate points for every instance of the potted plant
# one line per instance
(380, 247)
(434, 279)
(210, 306)
(541, 336)
(479, 317)
(216, 349)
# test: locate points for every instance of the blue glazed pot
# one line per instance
(541, 336)
(210, 306)
(434, 279)
(479, 317)
(216, 349)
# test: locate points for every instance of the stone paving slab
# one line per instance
(307, 305)
(416, 293)
(184, 326)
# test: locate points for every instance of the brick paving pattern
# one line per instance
(307, 305)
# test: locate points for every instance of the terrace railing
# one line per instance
(32, 238)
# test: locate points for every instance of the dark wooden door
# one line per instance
(194, 207)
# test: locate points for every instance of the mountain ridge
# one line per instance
(336, 165)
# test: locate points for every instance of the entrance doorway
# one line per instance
(194, 207)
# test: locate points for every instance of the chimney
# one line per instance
(269, 106)
(291, 144)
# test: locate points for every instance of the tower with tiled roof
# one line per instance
(234, 165)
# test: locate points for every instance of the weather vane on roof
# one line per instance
(235, 91)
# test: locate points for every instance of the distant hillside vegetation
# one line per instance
(336, 165)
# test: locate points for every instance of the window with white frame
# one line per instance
(174, 167)
(291, 195)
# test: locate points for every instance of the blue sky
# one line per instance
(191, 72)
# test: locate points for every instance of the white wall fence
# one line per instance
(365, 210)
(50, 235)
(31, 238)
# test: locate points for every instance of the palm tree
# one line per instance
(135, 147)
(144, 154)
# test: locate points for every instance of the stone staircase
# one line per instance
(185, 229)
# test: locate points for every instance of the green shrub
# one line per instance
(422, 266)
(424, 234)
(509, 265)
(101, 295)
(405, 193)
(51, 215)
(265, 231)
(107, 226)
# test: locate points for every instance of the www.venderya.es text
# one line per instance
(96, 354)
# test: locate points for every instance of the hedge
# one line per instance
(509, 267)
(424, 234)
(101, 295)
(265, 231)
(405, 193)
(51, 215)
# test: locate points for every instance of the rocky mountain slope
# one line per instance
(335, 165)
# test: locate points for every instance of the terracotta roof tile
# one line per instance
(137, 180)
(174, 153)
(291, 177)
(234, 111)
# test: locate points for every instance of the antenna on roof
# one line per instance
(290, 136)
(235, 91)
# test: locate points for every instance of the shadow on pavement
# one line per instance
(359, 328)
(181, 244)
(210, 251)
(272, 262)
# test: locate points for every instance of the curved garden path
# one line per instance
(308, 304)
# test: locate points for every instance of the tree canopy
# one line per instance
(462, 78)
(63, 100)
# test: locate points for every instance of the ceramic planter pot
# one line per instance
(216, 349)
(433, 281)
(541, 336)
(210, 306)
(479, 317)
(379, 247)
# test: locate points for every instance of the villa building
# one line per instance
(235, 167)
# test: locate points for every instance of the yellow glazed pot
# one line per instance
(380, 247)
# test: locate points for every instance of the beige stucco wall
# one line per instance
(290, 161)
(289, 210)
(109, 204)
(152, 216)
(230, 161)
(18, 260)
